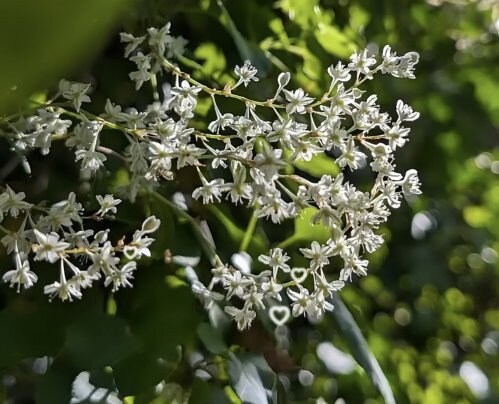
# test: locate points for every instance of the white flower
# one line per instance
(239, 189)
(143, 73)
(121, 277)
(90, 160)
(243, 317)
(298, 100)
(276, 259)
(246, 73)
(301, 300)
(22, 275)
(405, 112)
(166, 136)
(150, 225)
(207, 296)
(49, 247)
(103, 260)
(269, 161)
(339, 73)
(209, 191)
(361, 63)
(188, 155)
(317, 254)
(235, 284)
(410, 184)
(160, 38)
(186, 95)
(351, 156)
(64, 289)
(132, 42)
(13, 202)
(397, 136)
(140, 246)
(272, 289)
(76, 92)
(107, 204)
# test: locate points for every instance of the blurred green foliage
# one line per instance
(429, 308)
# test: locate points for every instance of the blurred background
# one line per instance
(429, 308)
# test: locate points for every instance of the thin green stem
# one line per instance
(213, 91)
(108, 124)
(248, 234)
(287, 242)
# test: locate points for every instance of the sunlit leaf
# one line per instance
(334, 41)
(319, 165)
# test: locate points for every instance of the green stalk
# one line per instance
(248, 234)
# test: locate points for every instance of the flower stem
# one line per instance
(248, 234)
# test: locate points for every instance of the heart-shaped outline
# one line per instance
(279, 314)
(130, 251)
(299, 274)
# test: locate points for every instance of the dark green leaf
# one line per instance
(278, 392)
(20, 337)
(247, 50)
(360, 350)
(160, 315)
(98, 340)
(137, 373)
(211, 338)
(54, 387)
(203, 392)
(44, 40)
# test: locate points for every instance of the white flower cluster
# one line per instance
(247, 159)
(57, 235)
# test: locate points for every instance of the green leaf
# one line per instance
(234, 232)
(305, 231)
(20, 335)
(213, 57)
(160, 315)
(212, 339)
(138, 373)
(54, 387)
(45, 40)
(246, 381)
(278, 392)
(360, 350)
(203, 392)
(20, 326)
(334, 41)
(300, 11)
(99, 340)
(319, 165)
(247, 50)
(358, 18)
